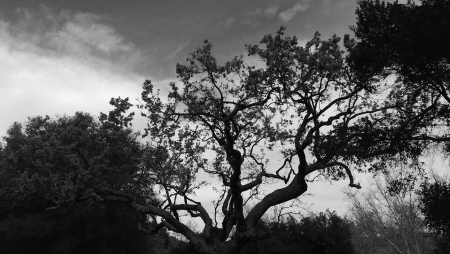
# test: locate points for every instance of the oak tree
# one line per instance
(319, 113)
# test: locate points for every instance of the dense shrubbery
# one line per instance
(317, 234)
(108, 228)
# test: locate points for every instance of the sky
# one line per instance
(62, 56)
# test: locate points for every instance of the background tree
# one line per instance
(50, 171)
(386, 220)
(407, 42)
(68, 160)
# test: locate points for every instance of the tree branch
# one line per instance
(203, 214)
(110, 195)
(349, 173)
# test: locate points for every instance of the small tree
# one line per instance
(435, 206)
(388, 219)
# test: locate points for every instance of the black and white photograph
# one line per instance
(225, 127)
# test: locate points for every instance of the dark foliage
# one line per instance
(318, 234)
(410, 39)
(411, 42)
(99, 229)
(435, 206)
(50, 172)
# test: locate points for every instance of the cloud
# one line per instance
(229, 21)
(290, 13)
(253, 17)
(84, 36)
(84, 31)
(271, 11)
(253, 13)
(251, 23)
(177, 51)
(61, 62)
(268, 12)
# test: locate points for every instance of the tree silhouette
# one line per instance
(319, 113)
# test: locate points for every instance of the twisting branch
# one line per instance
(262, 174)
(349, 173)
(216, 205)
(287, 160)
(111, 195)
(258, 180)
(201, 212)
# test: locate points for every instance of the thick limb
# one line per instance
(120, 197)
(203, 214)
(279, 196)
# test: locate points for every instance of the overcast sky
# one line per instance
(63, 56)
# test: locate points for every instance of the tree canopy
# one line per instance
(70, 159)
(408, 42)
(50, 173)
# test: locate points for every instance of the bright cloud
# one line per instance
(84, 30)
(290, 13)
(58, 63)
